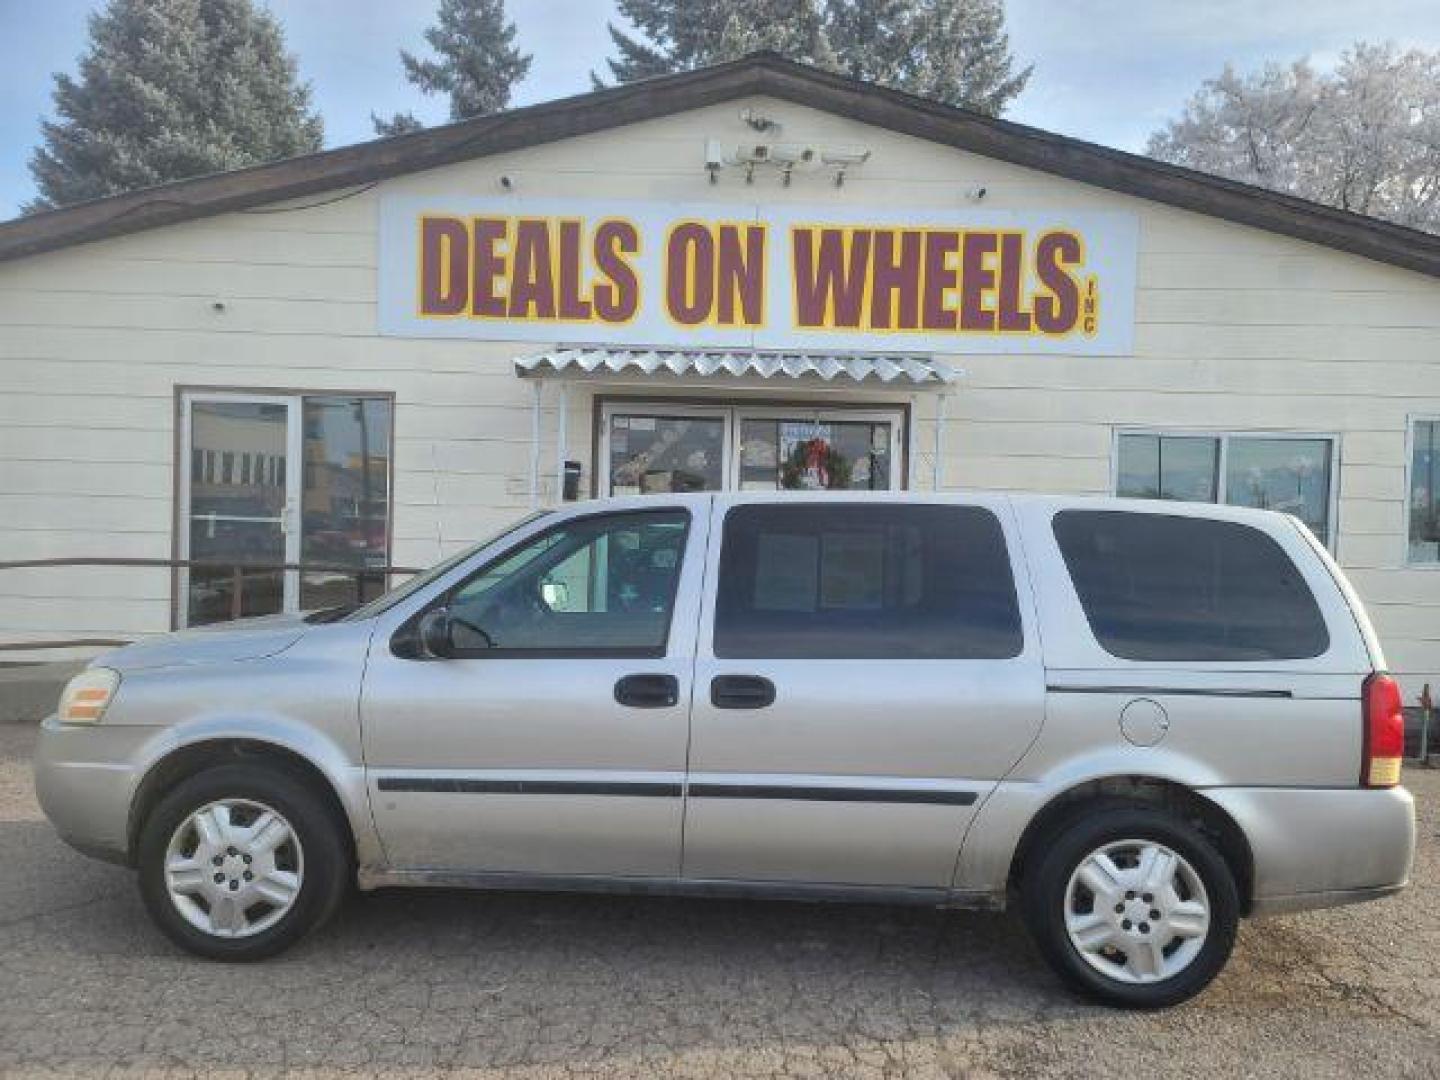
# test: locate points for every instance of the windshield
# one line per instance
(409, 588)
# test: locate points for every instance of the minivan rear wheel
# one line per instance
(1132, 906)
(240, 861)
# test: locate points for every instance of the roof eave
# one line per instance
(761, 74)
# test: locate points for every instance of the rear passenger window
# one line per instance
(879, 582)
(1165, 587)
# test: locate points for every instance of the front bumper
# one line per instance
(85, 780)
(1319, 847)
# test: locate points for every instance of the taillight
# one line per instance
(1384, 735)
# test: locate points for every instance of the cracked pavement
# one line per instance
(410, 983)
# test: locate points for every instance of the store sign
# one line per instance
(771, 277)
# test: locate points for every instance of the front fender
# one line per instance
(342, 769)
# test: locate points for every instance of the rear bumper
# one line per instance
(1319, 847)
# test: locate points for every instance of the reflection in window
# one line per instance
(1168, 467)
(1425, 492)
(231, 524)
(806, 455)
(345, 499)
(666, 453)
(1291, 475)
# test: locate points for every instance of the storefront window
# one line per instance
(1289, 475)
(821, 455)
(1425, 491)
(1269, 472)
(1169, 467)
(666, 453)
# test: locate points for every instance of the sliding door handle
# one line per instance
(741, 692)
(648, 691)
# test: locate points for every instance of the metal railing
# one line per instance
(236, 572)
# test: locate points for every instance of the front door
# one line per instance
(284, 502)
(239, 498)
(866, 673)
(553, 740)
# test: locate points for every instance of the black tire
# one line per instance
(1044, 898)
(323, 839)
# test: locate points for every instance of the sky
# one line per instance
(1111, 71)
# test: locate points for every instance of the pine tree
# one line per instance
(955, 51)
(171, 89)
(677, 35)
(476, 63)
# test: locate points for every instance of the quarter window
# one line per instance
(812, 581)
(598, 585)
(1424, 508)
(1163, 587)
(1267, 472)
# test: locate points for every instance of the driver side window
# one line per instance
(602, 584)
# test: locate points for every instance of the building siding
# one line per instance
(1236, 329)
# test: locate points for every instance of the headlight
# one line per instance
(88, 695)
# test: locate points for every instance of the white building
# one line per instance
(751, 275)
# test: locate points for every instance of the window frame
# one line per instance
(1010, 554)
(1223, 437)
(182, 471)
(661, 410)
(405, 637)
(1412, 424)
(734, 413)
(1266, 537)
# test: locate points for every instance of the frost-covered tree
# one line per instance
(1365, 137)
(476, 63)
(171, 89)
(956, 51)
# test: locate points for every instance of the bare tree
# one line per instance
(1365, 137)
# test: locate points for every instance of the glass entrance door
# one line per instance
(275, 481)
(238, 502)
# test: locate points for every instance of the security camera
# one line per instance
(792, 154)
(976, 193)
(714, 159)
(758, 121)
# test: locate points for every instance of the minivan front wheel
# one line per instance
(1133, 906)
(239, 861)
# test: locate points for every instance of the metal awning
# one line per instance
(579, 363)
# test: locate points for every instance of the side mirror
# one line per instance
(435, 634)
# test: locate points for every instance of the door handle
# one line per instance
(648, 690)
(741, 692)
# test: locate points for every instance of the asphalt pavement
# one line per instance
(430, 983)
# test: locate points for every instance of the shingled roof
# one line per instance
(760, 74)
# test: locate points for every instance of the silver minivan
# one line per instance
(1136, 721)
